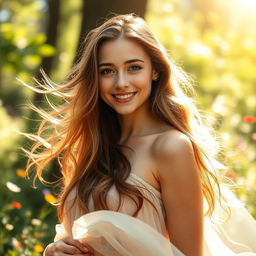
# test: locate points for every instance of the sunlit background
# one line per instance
(214, 41)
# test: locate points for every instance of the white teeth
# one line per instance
(124, 96)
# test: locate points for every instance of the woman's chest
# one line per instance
(142, 161)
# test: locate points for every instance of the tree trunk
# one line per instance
(96, 11)
(51, 31)
(51, 35)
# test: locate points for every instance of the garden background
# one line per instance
(214, 41)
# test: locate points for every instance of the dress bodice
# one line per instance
(152, 215)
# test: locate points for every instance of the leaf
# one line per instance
(46, 50)
(32, 61)
(39, 39)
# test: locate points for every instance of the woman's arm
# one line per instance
(181, 192)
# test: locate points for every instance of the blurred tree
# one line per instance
(69, 25)
(53, 17)
(93, 15)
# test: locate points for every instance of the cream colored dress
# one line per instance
(112, 233)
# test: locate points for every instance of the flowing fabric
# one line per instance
(112, 233)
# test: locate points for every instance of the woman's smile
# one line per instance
(124, 97)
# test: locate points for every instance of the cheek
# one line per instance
(103, 86)
(105, 89)
(144, 82)
(101, 90)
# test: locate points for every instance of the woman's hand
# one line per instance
(67, 246)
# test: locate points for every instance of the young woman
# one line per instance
(139, 170)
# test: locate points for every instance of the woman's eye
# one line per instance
(135, 67)
(106, 71)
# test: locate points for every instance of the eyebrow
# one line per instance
(126, 62)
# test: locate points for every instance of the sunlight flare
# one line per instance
(246, 4)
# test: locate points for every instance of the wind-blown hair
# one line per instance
(83, 133)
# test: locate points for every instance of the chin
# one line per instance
(124, 111)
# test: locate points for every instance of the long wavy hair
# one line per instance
(83, 132)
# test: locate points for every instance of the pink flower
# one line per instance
(23, 235)
(16, 243)
(232, 176)
(46, 192)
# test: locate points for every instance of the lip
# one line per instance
(126, 99)
(123, 93)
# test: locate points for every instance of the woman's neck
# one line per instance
(139, 123)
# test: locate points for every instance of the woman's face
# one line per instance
(125, 75)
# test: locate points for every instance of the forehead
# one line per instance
(120, 50)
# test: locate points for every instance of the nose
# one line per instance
(121, 80)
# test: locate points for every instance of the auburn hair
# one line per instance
(83, 132)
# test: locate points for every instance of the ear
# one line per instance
(155, 75)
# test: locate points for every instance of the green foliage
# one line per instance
(22, 49)
(24, 226)
(8, 139)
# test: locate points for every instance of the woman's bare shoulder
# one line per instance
(174, 156)
(171, 142)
